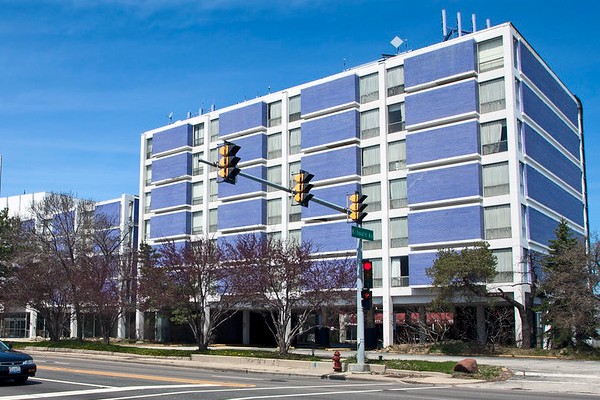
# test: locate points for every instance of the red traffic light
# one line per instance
(367, 271)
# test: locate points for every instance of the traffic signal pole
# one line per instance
(360, 313)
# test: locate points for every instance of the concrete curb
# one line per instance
(320, 369)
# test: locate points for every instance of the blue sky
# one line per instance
(80, 80)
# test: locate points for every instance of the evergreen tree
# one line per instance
(568, 281)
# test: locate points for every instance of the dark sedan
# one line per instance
(15, 365)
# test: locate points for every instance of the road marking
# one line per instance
(70, 382)
(278, 396)
(95, 391)
(144, 377)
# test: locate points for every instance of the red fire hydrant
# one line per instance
(337, 363)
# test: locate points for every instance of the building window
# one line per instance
(493, 137)
(213, 157)
(295, 236)
(295, 141)
(274, 176)
(199, 134)
(148, 147)
(497, 222)
(214, 130)
(294, 211)
(148, 174)
(522, 178)
(294, 108)
(274, 212)
(516, 57)
(397, 155)
(274, 146)
(197, 223)
(495, 179)
(369, 88)
(294, 168)
(490, 54)
(374, 244)
(214, 190)
(369, 124)
(395, 80)
(147, 202)
(197, 193)
(399, 271)
(492, 96)
(396, 117)
(377, 273)
(524, 221)
(197, 166)
(504, 265)
(518, 94)
(147, 229)
(373, 192)
(370, 160)
(398, 193)
(274, 236)
(520, 135)
(212, 220)
(274, 114)
(399, 232)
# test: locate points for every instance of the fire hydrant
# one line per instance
(337, 364)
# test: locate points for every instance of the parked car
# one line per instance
(15, 365)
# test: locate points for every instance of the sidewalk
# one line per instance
(533, 374)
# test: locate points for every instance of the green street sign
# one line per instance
(362, 233)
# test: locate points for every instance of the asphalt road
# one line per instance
(61, 376)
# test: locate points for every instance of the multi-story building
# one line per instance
(123, 212)
(471, 139)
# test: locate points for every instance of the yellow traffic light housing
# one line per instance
(228, 162)
(302, 187)
(357, 207)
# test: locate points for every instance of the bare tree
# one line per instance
(62, 234)
(193, 282)
(105, 274)
(11, 244)
(283, 278)
(40, 282)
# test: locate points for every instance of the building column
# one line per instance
(32, 323)
(481, 329)
(246, 326)
(73, 326)
(206, 323)
(389, 321)
(520, 296)
(139, 325)
(121, 331)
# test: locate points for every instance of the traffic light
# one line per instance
(302, 187)
(367, 299)
(228, 169)
(367, 268)
(357, 207)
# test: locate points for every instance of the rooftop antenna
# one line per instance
(397, 42)
(447, 32)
